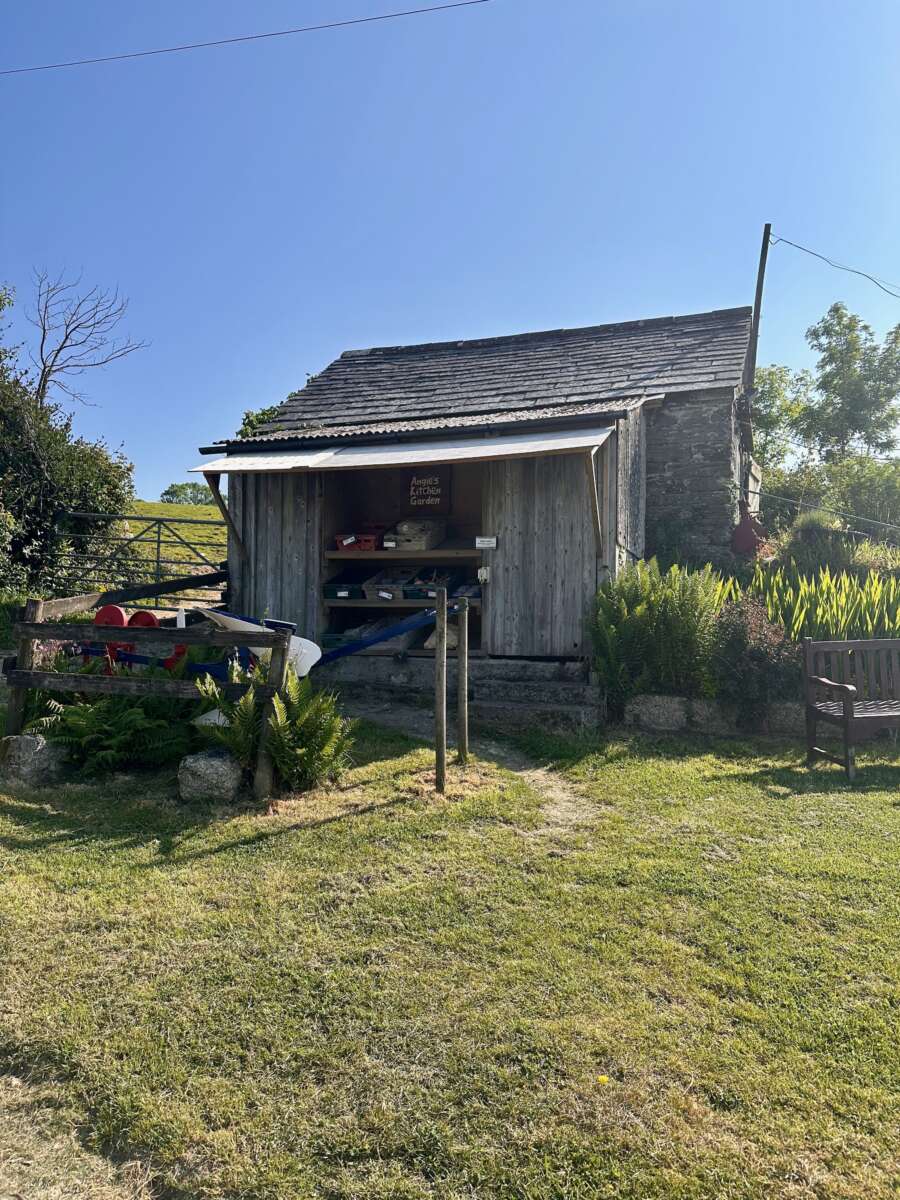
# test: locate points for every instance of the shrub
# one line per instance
(815, 540)
(309, 741)
(754, 663)
(119, 731)
(655, 631)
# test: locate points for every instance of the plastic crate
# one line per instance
(426, 582)
(388, 584)
(347, 584)
(367, 537)
(416, 535)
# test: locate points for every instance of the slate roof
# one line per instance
(523, 377)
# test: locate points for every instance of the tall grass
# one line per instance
(828, 605)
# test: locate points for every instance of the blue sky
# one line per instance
(522, 164)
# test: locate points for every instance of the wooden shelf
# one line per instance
(474, 602)
(448, 552)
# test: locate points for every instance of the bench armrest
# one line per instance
(843, 689)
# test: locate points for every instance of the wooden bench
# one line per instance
(855, 685)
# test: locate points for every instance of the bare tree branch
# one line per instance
(77, 332)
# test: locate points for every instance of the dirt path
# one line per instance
(42, 1159)
(564, 807)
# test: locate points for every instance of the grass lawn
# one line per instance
(377, 993)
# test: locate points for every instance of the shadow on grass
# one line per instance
(378, 743)
(563, 753)
(103, 811)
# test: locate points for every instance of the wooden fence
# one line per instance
(41, 623)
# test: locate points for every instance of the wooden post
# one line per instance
(440, 694)
(15, 713)
(750, 365)
(263, 776)
(462, 681)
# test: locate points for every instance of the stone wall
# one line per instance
(677, 714)
(693, 474)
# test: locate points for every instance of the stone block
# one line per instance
(210, 775)
(30, 759)
(657, 714)
(707, 716)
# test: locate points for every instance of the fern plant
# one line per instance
(239, 732)
(655, 631)
(309, 741)
(116, 731)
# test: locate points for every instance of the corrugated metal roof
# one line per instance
(460, 421)
(525, 444)
(531, 376)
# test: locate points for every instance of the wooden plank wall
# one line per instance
(631, 485)
(279, 517)
(545, 568)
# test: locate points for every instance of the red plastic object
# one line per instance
(110, 614)
(367, 537)
(144, 619)
(177, 654)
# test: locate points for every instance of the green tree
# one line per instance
(187, 493)
(47, 473)
(782, 395)
(856, 388)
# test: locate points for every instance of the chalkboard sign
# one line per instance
(429, 490)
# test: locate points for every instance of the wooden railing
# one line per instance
(37, 627)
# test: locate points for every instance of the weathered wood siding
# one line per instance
(279, 518)
(632, 486)
(544, 571)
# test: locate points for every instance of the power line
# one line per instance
(250, 37)
(879, 283)
(834, 512)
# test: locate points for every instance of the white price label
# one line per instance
(485, 543)
(348, 541)
(386, 595)
(340, 594)
(389, 545)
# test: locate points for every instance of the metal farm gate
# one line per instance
(106, 551)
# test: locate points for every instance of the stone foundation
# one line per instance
(677, 714)
(509, 693)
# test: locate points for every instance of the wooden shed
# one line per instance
(526, 454)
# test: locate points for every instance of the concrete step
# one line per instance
(529, 692)
(562, 718)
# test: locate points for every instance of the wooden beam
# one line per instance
(15, 713)
(139, 635)
(124, 685)
(440, 694)
(165, 587)
(213, 478)
(140, 591)
(462, 680)
(71, 604)
(263, 776)
(596, 511)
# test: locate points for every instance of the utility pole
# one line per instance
(750, 369)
